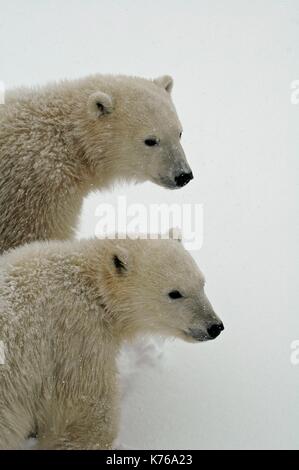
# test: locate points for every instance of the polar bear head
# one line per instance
(155, 286)
(134, 132)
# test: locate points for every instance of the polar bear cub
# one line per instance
(65, 310)
(62, 141)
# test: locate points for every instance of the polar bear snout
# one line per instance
(178, 178)
(215, 330)
(183, 178)
(212, 332)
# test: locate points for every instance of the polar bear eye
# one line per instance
(151, 142)
(175, 294)
(181, 133)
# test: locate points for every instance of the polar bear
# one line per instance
(62, 141)
(66, 307)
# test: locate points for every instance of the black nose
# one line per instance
(215, 330)
(183, 179)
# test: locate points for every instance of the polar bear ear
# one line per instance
(166, 82)
(120, 260)
(99, 103)
(175, 233)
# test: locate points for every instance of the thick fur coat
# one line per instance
(60, 142)
(65, 310)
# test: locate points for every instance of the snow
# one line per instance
(234, 65)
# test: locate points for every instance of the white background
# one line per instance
(233, 63)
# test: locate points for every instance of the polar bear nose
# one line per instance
(183, 179)
(215, 330)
